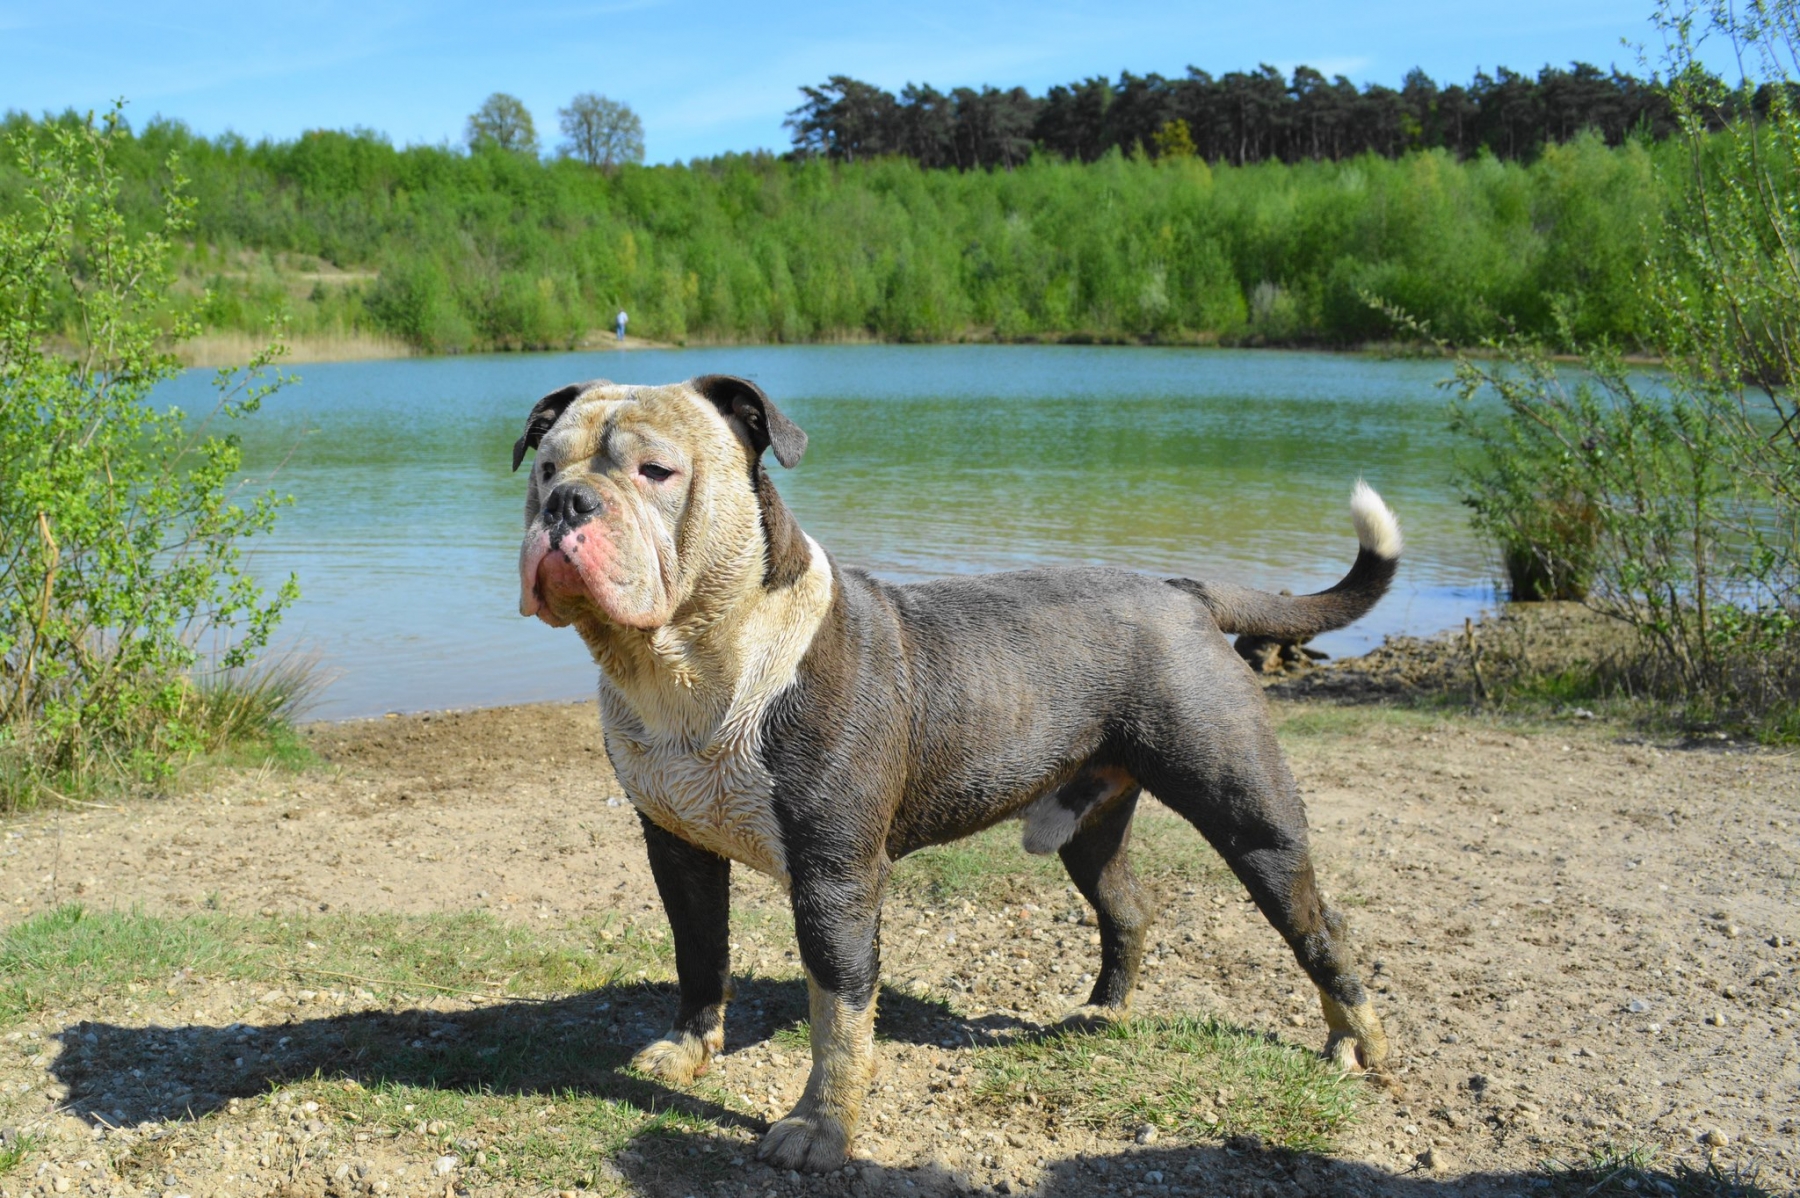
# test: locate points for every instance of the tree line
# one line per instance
(496, 249)
(1238, 118)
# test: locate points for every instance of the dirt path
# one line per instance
(1577, 940)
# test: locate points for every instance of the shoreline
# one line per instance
(225, 348)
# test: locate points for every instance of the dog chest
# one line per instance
(716, 796)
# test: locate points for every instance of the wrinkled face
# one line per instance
(637, 496)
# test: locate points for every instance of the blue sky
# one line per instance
(709, 77)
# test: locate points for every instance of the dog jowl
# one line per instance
(762, 704)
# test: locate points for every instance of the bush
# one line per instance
(120, 526)
(1670, 501)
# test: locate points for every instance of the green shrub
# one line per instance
(120, 525)
(1670, 500)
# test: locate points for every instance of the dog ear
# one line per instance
(744, 401)
(546, 413)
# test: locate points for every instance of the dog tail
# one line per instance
(1243, 611)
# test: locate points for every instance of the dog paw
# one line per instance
(1091, 1018)
(1363, 1050)
(676, 1059)
(808, 1143)
(1357, 1042)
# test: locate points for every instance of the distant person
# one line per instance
(620, 321)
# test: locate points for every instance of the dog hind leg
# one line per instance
(1099, 863)
(1252, 814)
(696, 892)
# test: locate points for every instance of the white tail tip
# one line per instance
(1376, 528)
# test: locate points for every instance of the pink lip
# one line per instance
(537, 546)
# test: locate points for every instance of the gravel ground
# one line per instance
(1578, 938)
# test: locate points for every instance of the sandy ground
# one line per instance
(1576, 937)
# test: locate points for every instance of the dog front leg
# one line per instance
(838, 923)
(696, 892)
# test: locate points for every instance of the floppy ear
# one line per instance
(743, 400)
(546, 413)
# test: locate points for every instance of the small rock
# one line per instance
(1637, 1006)
(1452, 1038)
(1780, 941)
(1732, 931)
(1728, 991)
(435, 1128)
(445, 1165)
(1146, 1133)
(1714, 1138)
(1154, 1177)
(1434, 1159)
(60, 1185)
(1717, 1019)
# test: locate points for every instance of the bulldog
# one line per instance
(764, 705)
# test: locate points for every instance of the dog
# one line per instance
(764, 705)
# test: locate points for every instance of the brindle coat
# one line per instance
(765, 705)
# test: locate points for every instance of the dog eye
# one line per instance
(655, 473)
(548, 471)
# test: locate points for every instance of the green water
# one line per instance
(923, 461)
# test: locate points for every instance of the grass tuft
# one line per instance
(1631, 1172)
(1193, 1079)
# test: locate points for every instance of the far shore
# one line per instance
(234, 348)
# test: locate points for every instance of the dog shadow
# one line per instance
(118, 1075)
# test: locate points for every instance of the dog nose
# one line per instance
(571, 504)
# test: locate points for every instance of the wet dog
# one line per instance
(764, 705)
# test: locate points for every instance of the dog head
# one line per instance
(641, 498)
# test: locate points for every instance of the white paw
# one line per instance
(809, 1143)
(1355, 1054)
(677, 1060)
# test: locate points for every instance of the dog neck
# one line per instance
(732, 645)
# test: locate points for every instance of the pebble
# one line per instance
(1717, 1019)
(1146, 1133)
(1637, 1006)
(445, 1165)
(1715, 1138)
(1434, 1159)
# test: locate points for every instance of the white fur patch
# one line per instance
(693, 762)
(1376, 528)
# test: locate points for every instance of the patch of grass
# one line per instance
(1632, 1171)
(795, 1037)
(465, 951)
(1192, 1078)
(991, 866)
(71, 951)
(58, 955)
(13, 1152)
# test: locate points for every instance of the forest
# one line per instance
(1239, 117)
(1299, 232)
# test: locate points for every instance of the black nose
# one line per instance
(571, 504)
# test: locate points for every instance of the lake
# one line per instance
(1230, 464)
